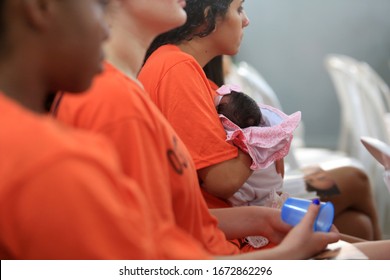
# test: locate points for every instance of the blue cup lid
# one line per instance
(324, 219)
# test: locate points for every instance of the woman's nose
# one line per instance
(245, 20)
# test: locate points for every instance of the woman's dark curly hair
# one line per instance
(2, 25)
(214, 70)
(201, 20)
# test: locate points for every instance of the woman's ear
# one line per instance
(206, 13)
(38, 13)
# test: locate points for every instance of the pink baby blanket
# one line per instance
(265, 143)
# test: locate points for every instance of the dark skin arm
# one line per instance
(225, 178)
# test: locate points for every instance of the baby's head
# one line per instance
(239, 108)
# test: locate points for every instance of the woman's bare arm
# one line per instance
(239, 222)
(225, 178)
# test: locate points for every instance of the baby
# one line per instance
(238, 107)
(265, 133)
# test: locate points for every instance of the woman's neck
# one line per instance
(126, 47)
(199, 50)
(127, 60)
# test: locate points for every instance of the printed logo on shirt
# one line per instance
(177, 160)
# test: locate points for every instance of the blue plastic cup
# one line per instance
(294, 209)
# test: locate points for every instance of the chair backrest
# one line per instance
(259, 89)
(365, 101)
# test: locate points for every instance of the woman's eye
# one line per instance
(240, 9)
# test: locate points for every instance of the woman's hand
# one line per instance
(270, 225)
(239, 222)
(302, 242)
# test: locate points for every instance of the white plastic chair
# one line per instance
(364, 99)
(259, 88)
(365, 103)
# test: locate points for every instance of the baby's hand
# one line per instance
(279, 166)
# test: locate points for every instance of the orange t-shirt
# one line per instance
(178, 86)
(151, 153)
(63, 195)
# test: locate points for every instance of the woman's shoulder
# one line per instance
(171, 54)
(38, 142)
(165, 63)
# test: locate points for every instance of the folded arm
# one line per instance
(238, 222)
(225, 178)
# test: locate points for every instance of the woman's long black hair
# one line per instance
(201, 21)
(2, 22)
(214, 70)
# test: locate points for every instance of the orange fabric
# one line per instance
(151, 153)
(63, 196)
(213, 201)
(180, 89)
(213, 85)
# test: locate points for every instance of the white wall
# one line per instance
(288, 39)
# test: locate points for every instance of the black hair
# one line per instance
(241, 109)
(201, 21)
(214, 70)
(2, 22)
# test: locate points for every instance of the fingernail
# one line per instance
(316, 201)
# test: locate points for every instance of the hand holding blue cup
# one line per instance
(294, 209)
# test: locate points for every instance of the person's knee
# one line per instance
(357, 173)
(358, 179)
(356, 224)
